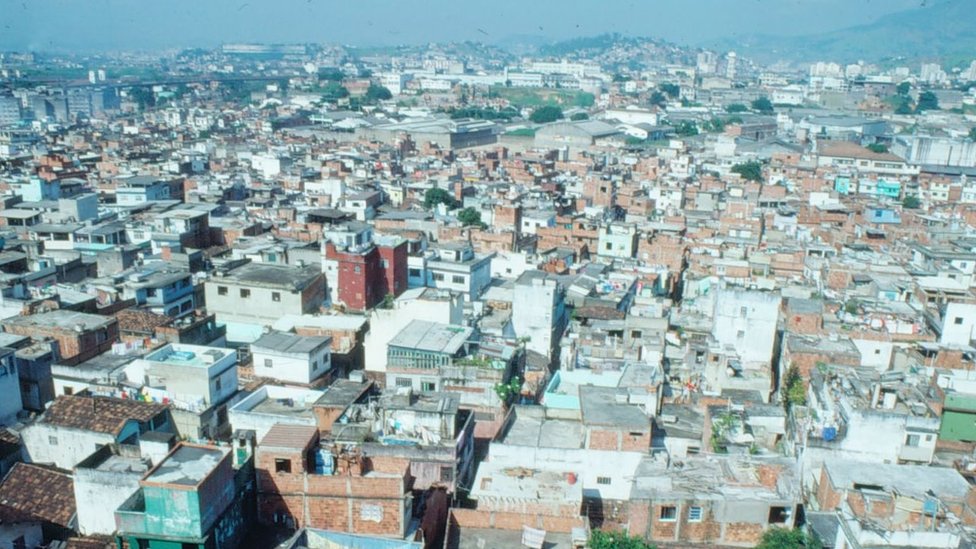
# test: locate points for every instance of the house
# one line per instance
(455, 267)
(139, 189)
(254, 295)
(293, 358)
(102, 482)
(33, 496)
(361, 276)
(197, 380)
(271, 405)
(79, 336)
(302, 483)
(11, 404)
(74, 427)
(194, 498)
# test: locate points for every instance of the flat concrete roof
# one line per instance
(281, 342)
(422, 335)
(187, 466)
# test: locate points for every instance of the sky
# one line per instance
(146, 25)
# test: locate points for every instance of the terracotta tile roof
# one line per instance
(45, 493)
(99, 414)
(139, 321)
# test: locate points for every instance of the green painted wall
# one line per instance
(172, 512)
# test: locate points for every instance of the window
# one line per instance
(385, 263)
(404, 382)
(414, 272)
(221, 290)
(741, 334)
(20, 543)
(357, 269)
(609, 246)
(484, 416)
(217, 384)
(276, 296)
(245, 293)
(315, 365)
(913, 441)
(438, 277)
(53, 441)
(957, 321)
(636, 334)
(447, 474)
(268, 363)
(780, 515)
(457, 279)
(743, 311)
(604, 480)
(428, 386)
(69, 391)
(695, 513)
(282, 465)
(669, 513)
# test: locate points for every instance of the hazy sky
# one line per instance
(155, 24)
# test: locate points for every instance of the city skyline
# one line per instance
(58, 25)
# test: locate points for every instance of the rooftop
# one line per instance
(62, 319)
(187, 465)
(286, 343)
(99, 414)
(423, 335)
(271, 276)
(42, 493)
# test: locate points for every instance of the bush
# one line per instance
(736, 108)
(616, 540)
(784, 538)
(546, 114)
(751, 171)
(470, 216)
(579, 116)
(911, 203)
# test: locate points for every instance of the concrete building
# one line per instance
(102, 483)
(416, 304)
(293, 358)
(539, 312)
(12, 403)
(79, 336)
(456, 267)
(193, 498)
(618, 240)
(255, 295)
(198, 381)
(271, 405)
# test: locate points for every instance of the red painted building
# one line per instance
(366, 276)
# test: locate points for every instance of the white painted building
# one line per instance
(415, 304)
(102, 483)
(539, 312)
(289, 357)
(958, 324)
(271, 405)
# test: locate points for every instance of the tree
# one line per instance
(686, 129)
(751, 170)
(579, 116)
(763, 105)
(673, 90)
(600, 539)
(904, 105)
(903, 88)
(546, 114)
(331, 75)
(378, 93)
(877, 147)
(736, 108)
(784, 538)
(436, 196)
(334, 91)
(659, 99)
(972, 133)
(794, 393)
(927, 101)
(470, 216)
(911, 203)
(144, 97)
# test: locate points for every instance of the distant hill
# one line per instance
(938, 29)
